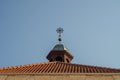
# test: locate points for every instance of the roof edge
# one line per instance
(59, 73)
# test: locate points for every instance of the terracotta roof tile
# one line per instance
(57, 67)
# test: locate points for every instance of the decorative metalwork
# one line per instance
(59, 30)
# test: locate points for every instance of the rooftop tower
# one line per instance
(59, 53)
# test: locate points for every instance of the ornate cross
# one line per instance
(59, 30)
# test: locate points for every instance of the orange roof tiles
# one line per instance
(57, 67)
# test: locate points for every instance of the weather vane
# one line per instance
(59, 30)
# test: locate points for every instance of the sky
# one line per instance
(91, 31)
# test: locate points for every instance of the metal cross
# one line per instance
(59, 30)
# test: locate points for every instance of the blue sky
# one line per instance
(91, 31)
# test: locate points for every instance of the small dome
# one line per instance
(60, 47)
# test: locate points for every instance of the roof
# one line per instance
(57, 67)
(59, 47)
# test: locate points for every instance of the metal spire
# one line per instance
(59, 30)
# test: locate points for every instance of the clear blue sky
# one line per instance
(91, 31)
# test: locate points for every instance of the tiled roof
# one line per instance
(57, 67)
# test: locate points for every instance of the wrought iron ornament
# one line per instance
(59, 30)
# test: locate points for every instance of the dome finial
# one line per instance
(59, 30)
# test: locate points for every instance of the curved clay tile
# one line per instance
(57, 67)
